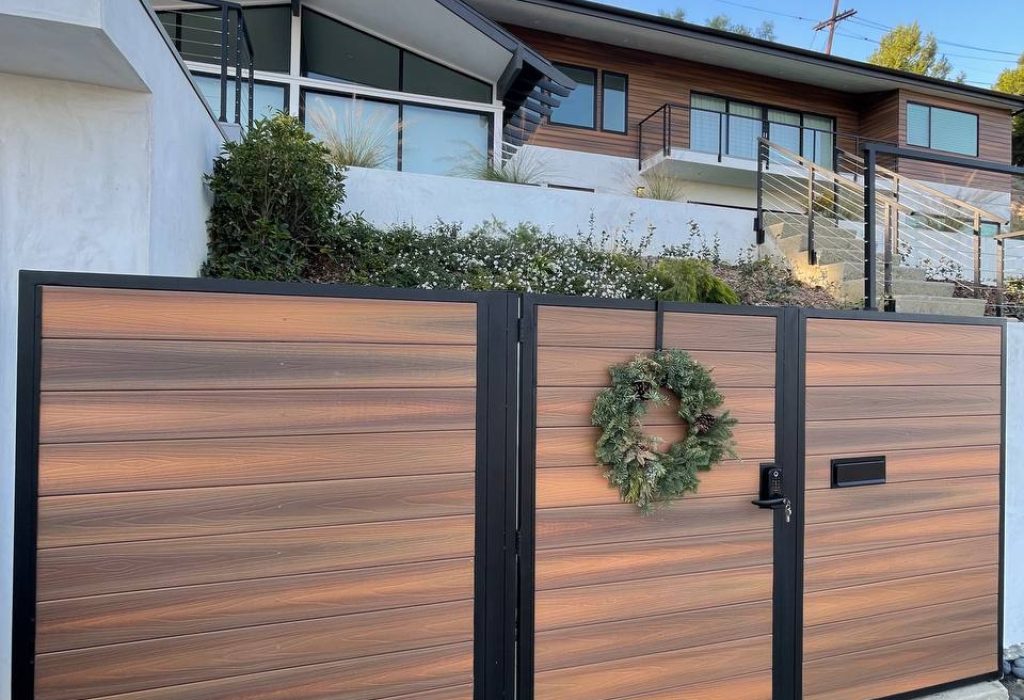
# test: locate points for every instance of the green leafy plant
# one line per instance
(692, 280)
(276, 199)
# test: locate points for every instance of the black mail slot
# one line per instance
(857, 471)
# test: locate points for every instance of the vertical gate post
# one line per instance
(495, 560)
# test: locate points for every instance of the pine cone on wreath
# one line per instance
(704, 423)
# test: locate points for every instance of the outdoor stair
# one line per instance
(840, 267)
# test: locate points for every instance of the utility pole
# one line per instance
(832, 22)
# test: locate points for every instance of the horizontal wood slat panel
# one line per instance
(574, 447)
(821, 607)
(843, 677)
(161, 364)
(654, 672)
(871, 369)
(862, 436)
(111, 416)
(846, 402)
(592, 644)
(71, 312)
(588, 486)
(880, 500)
(719, 332)
(149, 515)
(607, 563)
(108, 568)
(567, 527)
(851, 335)
(127, 617)
(563, 407)
(572, 326)
(568, 607)
(168, 464)
(368, 678)
(914, 528)
(899, 562)
(589, 367)
(179, 660)
(914, 465)
(879, 630)
(754, 686)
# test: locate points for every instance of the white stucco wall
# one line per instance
(93, 178)
(1013, 581)
(386, 198)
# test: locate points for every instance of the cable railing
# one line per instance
(214, 32)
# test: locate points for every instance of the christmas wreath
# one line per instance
(644, 474)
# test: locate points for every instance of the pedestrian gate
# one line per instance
(270, 491)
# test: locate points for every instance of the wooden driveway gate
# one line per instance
(269, 491)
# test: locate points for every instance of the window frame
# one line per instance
(401, 104)
(625, 101)
(245, 86)
(930, 147)
(597, 89)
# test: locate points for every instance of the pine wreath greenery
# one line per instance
(644, 474)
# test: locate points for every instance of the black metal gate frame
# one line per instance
(505, 464)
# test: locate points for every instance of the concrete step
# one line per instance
(854, 288)
(916, 304)
(842, 243)
(785, 229)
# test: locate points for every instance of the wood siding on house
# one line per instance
(598, 562)
(255, 496)
(901, 579)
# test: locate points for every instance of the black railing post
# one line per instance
(812, 258)
(238, 66)
(224, 63)
(1000, 273)
(668, 139)
(665, 117)
(870, 293)
(762, 154)
(887, 245)
(977, 254)
(640, 145)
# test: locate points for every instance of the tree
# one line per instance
(904, 48)
(1011, 80)
(766, 30)
(678, 14)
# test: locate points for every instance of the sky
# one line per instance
(980, 37)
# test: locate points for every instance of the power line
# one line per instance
(885, 28)
(767, 12)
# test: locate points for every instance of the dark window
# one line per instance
(424, 77)
(197, 34)
(334, 51)
(269, 97)
(613, 102)
(579, 108)
(942, 129)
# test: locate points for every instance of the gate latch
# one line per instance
(772, 494)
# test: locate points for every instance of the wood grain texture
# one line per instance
(126, 617)
(870, 369)
(170, 464)
(367, 678)
(567, 527)
(574, 447)
(69, 364)
(150, 515)
(753, 686)
(843, 570)
(865, 673)
(822, 607)
(589, 367)
(590, 644)
(846, 402)
(78, 312)
(581, 605)
(893, 628)
(588, 486)
(177, 660)
(843, 438)
(935, 496)
(114, 416)
(609, 563)
(857, 336)
(915, 465)
(570, 326)
(654, 672)
(572, 407)
(109, 568)
(894, 531)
